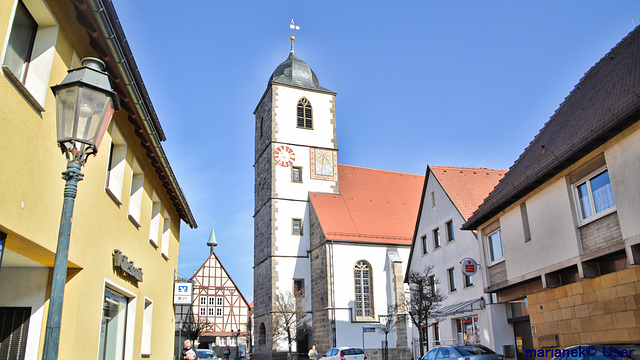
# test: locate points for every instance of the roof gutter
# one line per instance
(130, 76)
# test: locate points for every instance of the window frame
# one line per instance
(212, 300)
(488, 243)
(425, 245)
(587, 180)
(293, 170)
(203, 311)
(467, 280)
(435, 233)
(451, 276)
(307, 121)
(211, 311)
(154, 223)
(116, 165)
(136, 193)
(450, 231)
(203, 300)
(366, 312)
(293, 226)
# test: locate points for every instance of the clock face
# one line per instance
(284, 156)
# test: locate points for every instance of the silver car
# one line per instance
(462, 352)
(344, 353)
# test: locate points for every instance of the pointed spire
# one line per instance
(212, 239)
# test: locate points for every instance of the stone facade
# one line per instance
(600, 233)
(605, 308)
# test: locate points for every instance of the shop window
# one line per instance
(113, 326)
(135, 197)
(117, 164)
(147, 325)
(154, 228)
(468, 330)
(30, 50)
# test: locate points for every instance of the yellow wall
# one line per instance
(31, 194)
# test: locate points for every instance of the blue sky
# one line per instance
(457, 83)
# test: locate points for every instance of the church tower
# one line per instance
(295, 154)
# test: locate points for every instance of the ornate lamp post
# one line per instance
(85, 103)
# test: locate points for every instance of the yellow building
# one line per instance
(128, 204)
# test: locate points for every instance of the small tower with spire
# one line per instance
(212, 240)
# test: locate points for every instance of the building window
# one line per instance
(432, 284)
(203, 311)
(423, 239)
(232, 341)
(436, 238)
(223, 341)
(147, 325)
(135, 196)
(494, 244)
(117, 165)
(298, 288)
(452, 279)
(203, 300)
(449, 226)
(525, 222)
(594, 194)
(212, 300)
(211, 311)
(296, 227)
(433, 199)
(296, 174)
(362, 277)
(113, 328)
(218, 311)
(468, 330)
(436, 333)
(154, 227)
(468, 280)
(166, 235)
(305, 118)
(29, 52)
(219, 301)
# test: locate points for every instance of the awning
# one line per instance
(462, 307)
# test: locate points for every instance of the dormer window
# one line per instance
(305, 118)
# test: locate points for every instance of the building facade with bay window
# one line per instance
(124, 241)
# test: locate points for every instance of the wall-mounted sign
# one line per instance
(121, 261)
(469, 266)
(182, 293)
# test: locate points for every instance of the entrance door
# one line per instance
(112, 329)
(14, 323)
(522, 331)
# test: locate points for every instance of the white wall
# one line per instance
(26, 287)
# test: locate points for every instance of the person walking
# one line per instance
(226, 353)
(313, 353)
(188, 353)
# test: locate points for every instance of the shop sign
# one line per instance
(182, 293)
(469, 266)
(121, 261)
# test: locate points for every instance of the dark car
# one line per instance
(464, 352)
(598, 351)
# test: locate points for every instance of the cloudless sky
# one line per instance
(456, 83)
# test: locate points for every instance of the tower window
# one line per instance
(296, 174)
(305, 118)
(296, 227)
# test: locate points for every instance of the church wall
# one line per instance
(320, 295)
(264, 128)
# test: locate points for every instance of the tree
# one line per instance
(424, 299)
(388, 325)
(289, 316)
(194, 326)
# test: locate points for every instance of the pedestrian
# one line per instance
(188, 353)
(313, 353)
(226, 353)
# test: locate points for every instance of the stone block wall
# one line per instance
(605, 308)
(601, 233)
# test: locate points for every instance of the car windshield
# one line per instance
(353, 351)
(473, 350)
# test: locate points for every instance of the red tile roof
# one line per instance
(375, 206)
(467, 187)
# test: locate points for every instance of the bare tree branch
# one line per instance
(289, 316)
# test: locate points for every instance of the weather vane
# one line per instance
(293, 27)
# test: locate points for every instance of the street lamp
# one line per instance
(85, 103)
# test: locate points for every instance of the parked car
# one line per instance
(344, 353)
(599, 351)
(207, 354)
(462, 352)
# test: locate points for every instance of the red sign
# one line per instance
(469, 266)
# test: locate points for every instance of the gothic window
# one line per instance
(305, 118)
(362, 278)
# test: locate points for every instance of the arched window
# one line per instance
(262, 335)
(362, 279)
(305, 118)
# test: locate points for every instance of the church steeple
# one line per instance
(212, 239)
